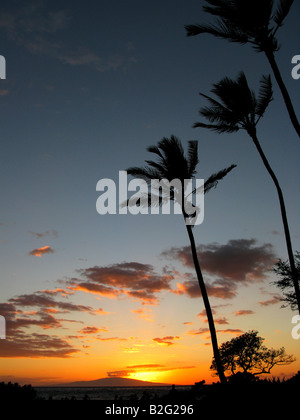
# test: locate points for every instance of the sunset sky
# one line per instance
(89, 86)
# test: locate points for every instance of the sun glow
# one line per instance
(147, 376)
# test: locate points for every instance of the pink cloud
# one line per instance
(38, 252)
(166, 341)
(93, 330)
(201, 331)
(243, 312)
(273, 301)
(132, 279)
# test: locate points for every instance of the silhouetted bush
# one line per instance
(15, 392)
(241, 378)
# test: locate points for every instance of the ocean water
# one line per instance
(103, 393)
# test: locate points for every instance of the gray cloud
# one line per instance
(240, 260)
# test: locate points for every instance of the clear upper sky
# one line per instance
(89, 86)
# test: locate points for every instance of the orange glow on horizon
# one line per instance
(42, 372)
(147, 376)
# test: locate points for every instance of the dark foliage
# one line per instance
(285, 281)
(14, 392)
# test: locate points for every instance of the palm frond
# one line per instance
(246, 15)
(143, 201)
(213, 180)
(193, 30)
(220, 30)
(192, 157)
(235, 95)
(238, 108)
(265, 95)
(144, 173)
(282, 11)
(223, 114)
(171, 162)
(155, 149)
(235, 108)
(175, 161)
(217, 106)
(243, 21)
(170, 187)
(160, 168)
(219, 115)
(219, 128)
(247, 98)
(172, 144)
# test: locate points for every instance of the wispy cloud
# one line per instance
(37, 28)
(166, 341)
(203, 313)
(244, 312)
(101, 311)
(93, 330)
(111, 339)
(39, 235)
(236, 331)
(55, 292)
(33, 17)
(44, 301)
(143, 313)
(38, 252)
(87, 57)
(273, 301)
(220, 321)
(200, 331)
(133, 369)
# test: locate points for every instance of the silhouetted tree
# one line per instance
(173, 164)
(238, 108)
(245, 356)
(16, 393)
(285, 281)
(254, 22)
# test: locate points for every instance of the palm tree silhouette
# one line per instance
(254, 22)
(238, 108)
(173, 164)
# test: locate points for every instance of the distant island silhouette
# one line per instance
(110, 381)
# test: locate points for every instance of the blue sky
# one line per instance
(89, 87)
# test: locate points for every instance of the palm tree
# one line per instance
(173, 164)
(238, 108)
(253, 22)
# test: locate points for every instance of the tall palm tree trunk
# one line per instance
(283, 215)
(209, 314)
(285, 94)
